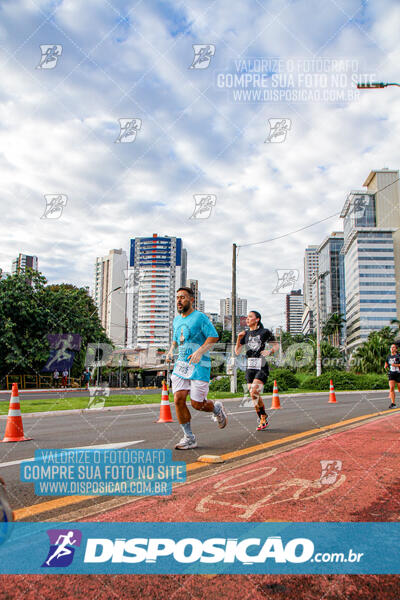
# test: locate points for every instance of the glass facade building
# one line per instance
(370, 282)
(332, 282)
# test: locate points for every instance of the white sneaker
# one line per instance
(186, 443)
(221, 417)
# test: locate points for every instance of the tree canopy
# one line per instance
(30, 310)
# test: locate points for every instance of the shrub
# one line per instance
(284, 378)
(344, 381)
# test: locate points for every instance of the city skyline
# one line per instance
(192, 142)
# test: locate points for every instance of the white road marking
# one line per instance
(114, 446)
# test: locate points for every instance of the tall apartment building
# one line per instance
(193, 284)
(158, 265)
(371, 255)
(294, 311)
(310, 268)
(24, 262)
(199, 304)
(226, 307)
(110, 274)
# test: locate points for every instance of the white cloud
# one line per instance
(58, 128)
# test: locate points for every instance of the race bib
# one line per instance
(254, 363)
(184, 369)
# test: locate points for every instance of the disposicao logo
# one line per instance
(61, 551)
(190, 550)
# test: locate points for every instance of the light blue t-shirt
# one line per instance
(190, 333)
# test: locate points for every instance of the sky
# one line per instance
(280, 159)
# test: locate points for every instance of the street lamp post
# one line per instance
(373, 85)
(315, 280)
(319, 366)
(91, 315)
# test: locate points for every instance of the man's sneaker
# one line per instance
(220, 417)
(186, 443)
(392, 405)
(262, 423)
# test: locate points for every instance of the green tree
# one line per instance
(370, 356)
(332, 328)
(30, 310)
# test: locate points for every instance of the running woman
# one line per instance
(393, 364)
(194, 335)
(257, 367)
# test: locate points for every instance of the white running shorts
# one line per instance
(198, 389)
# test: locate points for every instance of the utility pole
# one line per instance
(233, 375)
(319, 369)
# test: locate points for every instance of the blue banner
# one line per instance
(200, 548)
(105, 472)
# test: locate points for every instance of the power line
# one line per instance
(289, 233)
(308, 226)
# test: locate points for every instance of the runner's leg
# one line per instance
(199, 401)
(256, 389)
(181, 391)
(392, 392)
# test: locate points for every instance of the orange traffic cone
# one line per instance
(275, 397)
(165, 409)
(332, 396)
(14, 428)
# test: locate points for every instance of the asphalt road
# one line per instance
(25, 395)
(137, 424)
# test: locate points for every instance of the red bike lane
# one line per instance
(349, 476)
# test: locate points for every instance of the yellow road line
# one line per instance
(35, 509)
(289, 438)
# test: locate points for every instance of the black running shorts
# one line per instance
(394, 377)
(261, 374)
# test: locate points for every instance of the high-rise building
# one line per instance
(156, 264)
(193, 284)
(23, 262)
(184, 267)
(371, 255)
(294, 311)
(310, 269)
(226, 307)
(199, 304)
(331, 273)
(110, 274)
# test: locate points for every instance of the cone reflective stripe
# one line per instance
(165, 408)
(275, 397)
(14, 428)
(332, 395)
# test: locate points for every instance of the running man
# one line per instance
(257, 367)
(62, 549)
(194, 335)
(393, 364)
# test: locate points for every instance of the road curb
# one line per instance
(133, 406)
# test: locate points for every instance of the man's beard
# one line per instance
(183, 309)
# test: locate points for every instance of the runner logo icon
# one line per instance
(61, 551)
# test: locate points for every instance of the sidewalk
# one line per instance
(348, 476)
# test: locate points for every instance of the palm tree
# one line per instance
(370, 356)
(332, 328)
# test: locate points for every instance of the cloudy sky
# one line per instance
(197, 133)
